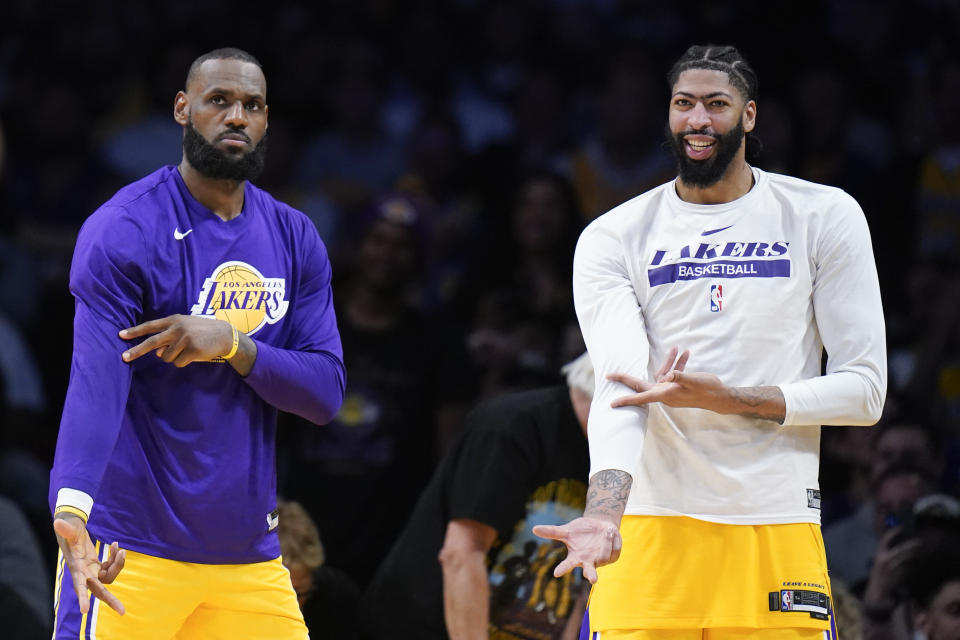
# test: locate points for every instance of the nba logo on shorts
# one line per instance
(716, 297)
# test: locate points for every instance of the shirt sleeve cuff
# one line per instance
(74, 498)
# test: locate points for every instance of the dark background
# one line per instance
(450, 108)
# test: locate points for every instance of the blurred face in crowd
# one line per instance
(941, 620)
(903, 444)
(708, 120)
(387, 255)
(896, 495)
(629, 104)
(224, 115)
(539, 219)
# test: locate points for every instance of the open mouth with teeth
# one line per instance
(699, 149)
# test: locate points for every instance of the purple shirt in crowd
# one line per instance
(180, 462)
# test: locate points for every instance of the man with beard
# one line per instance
(706, 304)
(203, 305)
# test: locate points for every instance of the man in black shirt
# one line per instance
(467, 563)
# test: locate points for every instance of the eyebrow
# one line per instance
(230, 92)
(707, 96)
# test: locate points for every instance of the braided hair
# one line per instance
(730, 61)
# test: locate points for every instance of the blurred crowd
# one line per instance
(450, 153)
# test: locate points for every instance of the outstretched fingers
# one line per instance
(589, 572)
(146, 328)
(153, 343)
(668, 361)
(101, 593)
(639, 399)
(629, 381)
(566, 566)
(682, 361)
(111, 567)
(552, 532)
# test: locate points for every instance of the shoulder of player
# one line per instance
(117, 225)
(624, 216)
(811, 192)
(140, 194)
(284, 213)
(619, 226)
(125, 220)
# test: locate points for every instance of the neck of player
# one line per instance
(222, 197)
(735, 183)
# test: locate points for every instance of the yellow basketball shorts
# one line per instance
(166, 599)
(698, 579)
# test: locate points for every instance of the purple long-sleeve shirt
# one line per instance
(180, 463)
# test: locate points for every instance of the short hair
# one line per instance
(579, 374)
(224, 53)
(730, 61)
(934, 568)
(299, 538)
(930, 433)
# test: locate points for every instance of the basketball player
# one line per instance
(203, 305)
(703, 499)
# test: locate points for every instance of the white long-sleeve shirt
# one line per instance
(755, 289)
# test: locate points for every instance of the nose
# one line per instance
(698, 117)
(236, 115)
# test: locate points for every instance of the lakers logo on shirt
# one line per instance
(239, 294)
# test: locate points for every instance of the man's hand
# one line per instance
(671, 386)
(80, 556)
(676, 388)
(893, 556)
(590, 542)
(180, 339)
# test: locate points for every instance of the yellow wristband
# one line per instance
(235, 346)
(77, 512)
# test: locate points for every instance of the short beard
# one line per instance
(705, 173)
(214, 163)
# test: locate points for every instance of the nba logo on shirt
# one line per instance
(787, 600)
(716, 297)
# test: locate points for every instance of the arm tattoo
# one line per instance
(607, 494)
(757, 397)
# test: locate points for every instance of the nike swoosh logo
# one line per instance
(711, 231)
(180, 236)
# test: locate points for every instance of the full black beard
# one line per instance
(214, 163)
(705, 173)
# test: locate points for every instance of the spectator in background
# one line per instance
(24, 585)
(938, 189)
(138, 134)
(522, 461)
(354, 158)
(908, 443)
(624, 156)
(905, 465)
(847, 610)
(360, 476)
(439, 172)
(935, 596)
(543, 109)
(327, 597)
(300, 547)
(23, 397)
(914, 558)
(525, 326)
